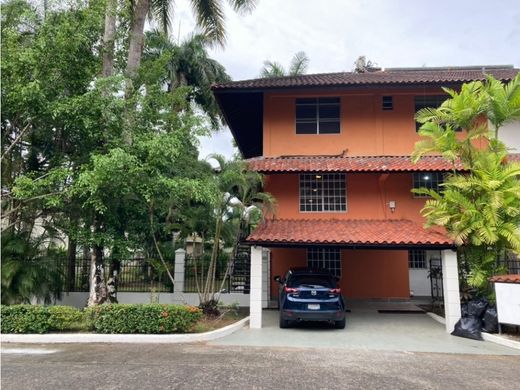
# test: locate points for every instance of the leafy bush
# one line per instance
(25, 319)
(143, 318)
(64, 318)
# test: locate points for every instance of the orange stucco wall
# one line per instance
(368, 195)
(365, 128)
(365, 273)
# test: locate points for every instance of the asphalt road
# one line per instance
(200, 366)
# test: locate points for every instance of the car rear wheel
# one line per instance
(340, 324)
(283, 323)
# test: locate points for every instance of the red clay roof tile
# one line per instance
(505, 279)
(353, 164)
(399, 232)
(348, 164)
(381, 77)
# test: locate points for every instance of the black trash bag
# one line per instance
(464, 310)
(468, 327)
(490, 320)
(477, 307)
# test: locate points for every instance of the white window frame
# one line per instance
(328, 258)
(332, 180)
(417, 259)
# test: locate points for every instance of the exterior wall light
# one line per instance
(391, 204)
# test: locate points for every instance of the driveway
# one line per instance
(366, 329)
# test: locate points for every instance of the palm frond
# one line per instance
(299, 64)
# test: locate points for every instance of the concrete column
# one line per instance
(255, 295)
(266, 256)
(450, 287)
(178, 276)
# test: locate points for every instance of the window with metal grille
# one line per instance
(318, 115)
(325, 258)
(431, 180)
(417, 259)
(388, 103)
(323, 192)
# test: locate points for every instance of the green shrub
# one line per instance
(65, 318)
(143, 318)
(25, 319)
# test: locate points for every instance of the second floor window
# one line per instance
(432, 180)
(433, 101)
(323, 192)
(318, 115)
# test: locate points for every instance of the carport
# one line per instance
(361, 242)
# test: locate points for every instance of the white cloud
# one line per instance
(334, 33)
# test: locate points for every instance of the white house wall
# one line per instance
(510, 135)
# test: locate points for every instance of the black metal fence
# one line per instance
(511, 265)
(133, 275)
(228, 276)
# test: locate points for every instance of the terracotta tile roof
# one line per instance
(505, 279)
(399, 232)
(381, 77)
(348, 164)
(352, 164)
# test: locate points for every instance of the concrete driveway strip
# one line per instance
(365, 330)
(201, 366)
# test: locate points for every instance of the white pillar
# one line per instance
(255, 295)
(178, 276)
(450, 287)
(266, 256)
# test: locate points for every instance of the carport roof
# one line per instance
(349, 233)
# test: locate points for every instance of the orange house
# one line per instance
(335, 151)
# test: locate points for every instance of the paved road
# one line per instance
(200, 366)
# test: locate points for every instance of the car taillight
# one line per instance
(290, 290)
(336, 291)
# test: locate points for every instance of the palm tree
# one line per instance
(240, 203)
(28, 270)
(189, 65)
(298, 66)
(480, 209)
(209, 15)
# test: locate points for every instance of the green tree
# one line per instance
(298, 66)
(188, 64)
(239, 204)
(209, 15)
(479, 208)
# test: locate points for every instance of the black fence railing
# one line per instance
(133, 275)
(229, 277)
(196, 271)
(511, 265)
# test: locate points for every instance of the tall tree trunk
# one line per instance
(135, 46)
(98, 293)
(98, 289)
(109, 38)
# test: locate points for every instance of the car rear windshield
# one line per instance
(314, 281)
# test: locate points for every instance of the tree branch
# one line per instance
(17, 139)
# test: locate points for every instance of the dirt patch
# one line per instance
(207, 324)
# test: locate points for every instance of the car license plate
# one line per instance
(313, 306)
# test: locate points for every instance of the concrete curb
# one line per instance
(493, 338)
(501, 340)
(78, 338)
(436, 317)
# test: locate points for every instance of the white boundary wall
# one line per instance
(79, 299)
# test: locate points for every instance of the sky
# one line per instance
(333, 33)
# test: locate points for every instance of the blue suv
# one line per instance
(310, 295)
